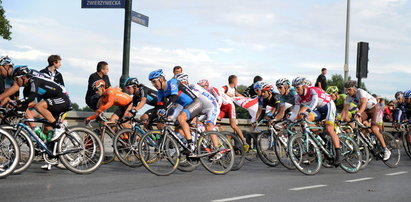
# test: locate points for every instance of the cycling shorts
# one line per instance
(56, 106)
(122, 110)
(227, 110)
(327, 113)
(193, 109)
(374, 114)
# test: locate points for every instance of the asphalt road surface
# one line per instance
(254, 182)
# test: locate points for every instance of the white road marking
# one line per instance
(359, 179)
(238, 198)
(308, 187)
(397, 173)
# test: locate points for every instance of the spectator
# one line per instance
(231, 88)
(177, 70)
(322, 80)
(389, 111)
(249, 92)
(51, 70)
(91, 96)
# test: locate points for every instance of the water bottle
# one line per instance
(373, 140)
(40, 133)
(181, 138)
(193, 136)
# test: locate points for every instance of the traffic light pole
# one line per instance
(347, 42)
(126, 43)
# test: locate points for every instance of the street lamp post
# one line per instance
(347, 41)
(126, 43)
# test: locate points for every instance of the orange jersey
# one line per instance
(112, 96)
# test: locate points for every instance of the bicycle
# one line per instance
(405, 129)
(78, 149)
(161, 155)
(374, 146)
(308, 150)
(9, 154)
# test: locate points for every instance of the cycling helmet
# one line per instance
(98, 84)
(155, 74)
(299, 81)
(5, 60)
(131, 81)
(407, 94)
(20, 71)
(267, 87)
(258, 85)
(283, 82)
(399, 95)
(332, 89)
(182, 77)
(203, 82)
(307, 82)
(350, 84)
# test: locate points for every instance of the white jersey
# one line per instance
(221, 97)
(371, 101)
(210, 106)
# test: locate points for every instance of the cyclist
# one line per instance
(339, 99)
(266, 97)
(407, 97)
(142, 95)
(368, 108)
(400, 113)
(109, 97)
(287, 97)
(317, 105)
(176, 93)
(55, 99)
(227, 108)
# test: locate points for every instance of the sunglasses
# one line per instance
(129, 87)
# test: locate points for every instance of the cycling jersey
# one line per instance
(339, 102)
(290, 98)
(148, 93)
(221, 97)
(185, 96)
(110, 97)
(210, 106)
(400, 113)
(371, 101)
(314, 97)
(274, 101)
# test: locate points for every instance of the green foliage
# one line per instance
(5, 27)
(338, 80)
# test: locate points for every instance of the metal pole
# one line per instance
(347, 42)
(126, 43)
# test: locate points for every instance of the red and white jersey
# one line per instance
(250, 104)
(220, 96)
(314, 97)
(229, 90)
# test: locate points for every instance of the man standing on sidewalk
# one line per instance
(51, 70)
(322, 80)
(92, 97)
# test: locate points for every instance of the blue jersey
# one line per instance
(173, 87)
(288, 98)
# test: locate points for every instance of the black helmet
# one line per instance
(21, 71)
(350, 84)
(131, 81)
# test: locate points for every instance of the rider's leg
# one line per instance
(41, 107)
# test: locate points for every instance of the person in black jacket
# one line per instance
(249, 92)
(91, 96)
(51, 70)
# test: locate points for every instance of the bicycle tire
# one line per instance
(238, 146)
(406, 142)
(281, 151)
(9, 153)
(352, 157)
(365, 152)
(224, 157)
(299, 156)
(26, 148)
(160, 157)
(393, 146)
(87, 150)
(108, 144)
(266, 149)
(126, 147)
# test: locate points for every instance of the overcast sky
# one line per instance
(213, 39)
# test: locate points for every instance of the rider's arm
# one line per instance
(141, 103)
(103, 106)
(344, 113)
(31, 95)
(296, 109)
(314, 100)
(281, 112)
(9, 91)
(363, 103)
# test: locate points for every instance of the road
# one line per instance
(254, 182)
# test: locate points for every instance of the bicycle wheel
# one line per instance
(188, 164)
(108, 142)
(304, 154)
(266, 149)
(406, 142)
(281, 151)
(217, 160)
(352, 157)
(365, 152)
(126, 147)
(9, 153)
(81, 150)
(239, 153)
(26, 148)
(159, 156)
(393, 146)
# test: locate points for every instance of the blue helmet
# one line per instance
(259, 85)
(407, 94)
(155, 74)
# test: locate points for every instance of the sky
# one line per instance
(214, 39)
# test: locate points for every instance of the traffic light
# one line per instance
(362, 59)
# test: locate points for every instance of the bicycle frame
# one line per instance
(309, 134)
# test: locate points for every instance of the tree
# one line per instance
(5, 26)
(338, 80)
